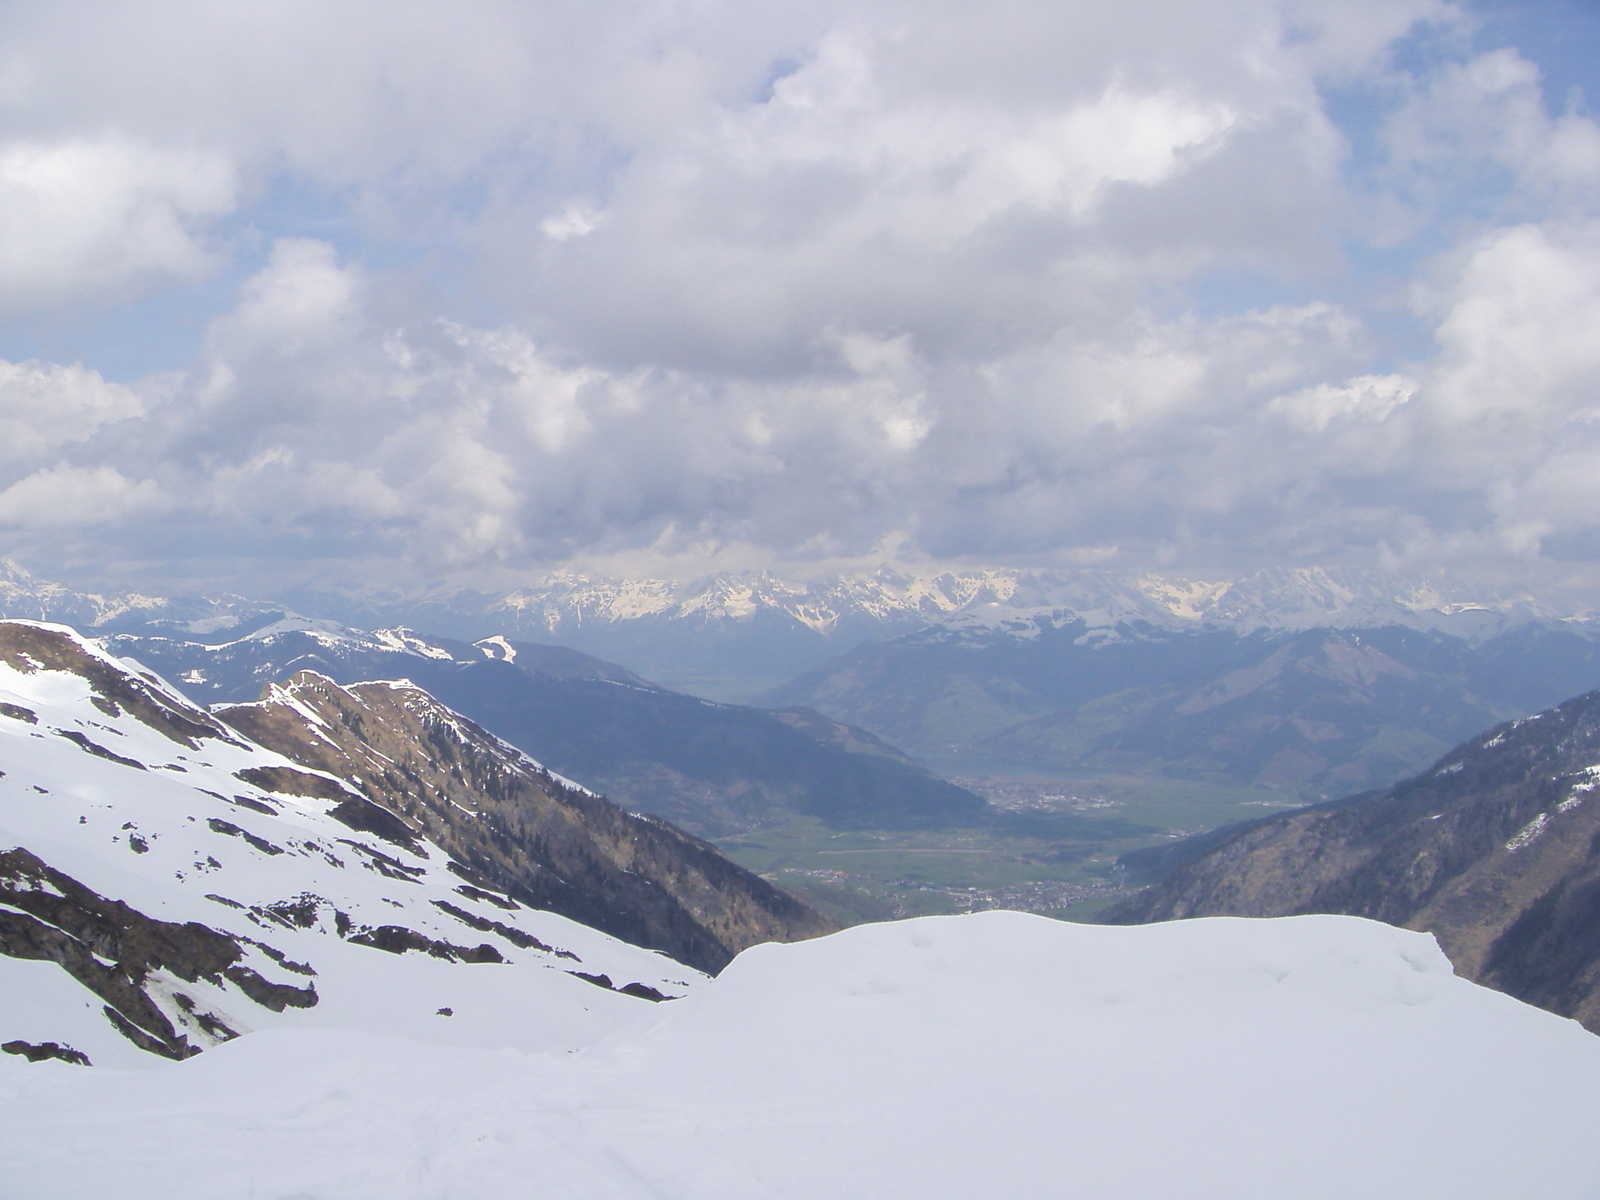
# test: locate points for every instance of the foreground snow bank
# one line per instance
(990, 1055)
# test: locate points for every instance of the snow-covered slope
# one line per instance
(1312, 1058)
(166, 884)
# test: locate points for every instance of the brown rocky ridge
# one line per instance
(518, 829)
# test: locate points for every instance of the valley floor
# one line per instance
(1050, 847)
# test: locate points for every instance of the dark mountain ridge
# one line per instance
(1313, 713)
(1495, 849)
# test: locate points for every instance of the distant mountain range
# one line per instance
(1495, 850)
(1313, 712)
(1307, 682)
(734, 636)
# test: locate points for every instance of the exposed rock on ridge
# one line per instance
(112, 950)
(191, 886)
(1496, 850)
(521, 829)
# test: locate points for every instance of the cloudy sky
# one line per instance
(406, 292)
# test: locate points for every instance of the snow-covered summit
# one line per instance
(336, 636)
(1291, 598)
(1279, 600)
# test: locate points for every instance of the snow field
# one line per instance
(999, 1054)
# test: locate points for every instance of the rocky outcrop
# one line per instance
(1495, 850)
(112, 949)
(45, 1051)
(519, 830)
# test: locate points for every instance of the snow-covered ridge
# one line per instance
(333, 634)
(117, 792)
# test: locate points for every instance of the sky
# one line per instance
(404, 293)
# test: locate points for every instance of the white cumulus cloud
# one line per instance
(81, 217)
(73, 497)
